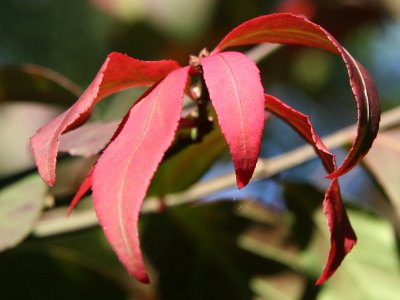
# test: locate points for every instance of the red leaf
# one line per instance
(343, 237)
(83, 189)
(122, 174)
(235, 89)
(117, 73)
(291, 29)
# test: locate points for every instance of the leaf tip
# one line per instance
(334, 263)
(143, 279)
(46, 168)
(242, 178)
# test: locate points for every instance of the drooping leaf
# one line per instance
(342, 236)
(36, 83)
(236, 92)
(291, 29)
(123, 173)
(20, 206)
(117, 73)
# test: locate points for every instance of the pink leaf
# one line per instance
(122, 174)
(236, 92)
(343, 237)
(291, 29)
(118, 72)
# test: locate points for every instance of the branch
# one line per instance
(55, 221)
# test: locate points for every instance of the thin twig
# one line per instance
(261, 51)
(55, 222)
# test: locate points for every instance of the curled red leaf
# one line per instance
(236, 92)
(118, 72)
(342, 236)
(123, 173)
(291, 29)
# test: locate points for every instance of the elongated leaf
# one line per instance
(235, 89)
(291, 29)
(117, 73)
(122, 175)
(342, 236)
(20, 206)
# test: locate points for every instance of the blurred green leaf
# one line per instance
(19, 121)
(36, 83)
(165, 15)
(194, 249)
(383, 161)
(270, 236)
(371, 271)
(282, 286)
(55, 273)
(127, 10)
(25, 95)
(20, 206)
(185, 168)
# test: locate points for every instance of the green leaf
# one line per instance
(283, 286)
(20, 120)
(25, 92)
(20, 206)
(372, 270)
(35, 83)
(182, 170)
(383, 161)
(194, 249)
(44, 271)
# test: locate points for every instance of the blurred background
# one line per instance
(268, 241)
